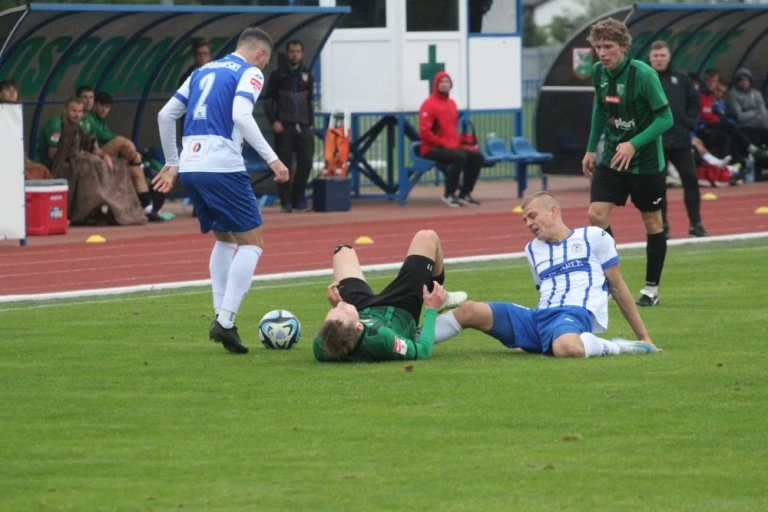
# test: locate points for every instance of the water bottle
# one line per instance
(750, 176)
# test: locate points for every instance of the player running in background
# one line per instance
(632, 111)
(573, 270)
(365, 327)
(220, 97)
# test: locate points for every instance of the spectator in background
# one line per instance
(86, 94)
(115, 146)
(9, 91)
(439, 133)
(748, 107)
(477, 9)
(289, 108)
(201, 52)
(715, 129)
(684, 103)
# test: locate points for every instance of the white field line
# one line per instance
(122, 290)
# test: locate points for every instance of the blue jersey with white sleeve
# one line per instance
(211, 141)
(571, 272)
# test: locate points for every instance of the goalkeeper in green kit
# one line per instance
(367, 327)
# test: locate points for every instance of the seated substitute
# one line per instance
(9, 91)
(95, 125)
(439, 134)
(574, 269)
(368, 327)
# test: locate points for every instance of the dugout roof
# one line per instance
(700, 36)
(137, 53)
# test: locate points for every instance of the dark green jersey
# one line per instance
(96, 127)
(628, 101)
(48, 138)
(389, 334)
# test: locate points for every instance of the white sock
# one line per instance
(238, 283)
(594, 346)
(218, 265)
(446, 327)
(652, 290)
(712, 159)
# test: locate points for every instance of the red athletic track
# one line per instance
(175, 251)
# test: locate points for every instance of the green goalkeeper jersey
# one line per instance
(630, 106)
(389, 334)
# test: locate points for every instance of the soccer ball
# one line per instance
(279, 329)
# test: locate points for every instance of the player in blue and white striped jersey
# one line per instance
(218, 100)
(574, 270)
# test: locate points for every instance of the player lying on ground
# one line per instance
(368, 327)
(574, 269)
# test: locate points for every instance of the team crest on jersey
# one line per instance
(305, 77)
(620, 89)
(196, 150)
(577, 248)
(256, 84)
(673, 80)
(400, 347)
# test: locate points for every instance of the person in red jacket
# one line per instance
(439, 132)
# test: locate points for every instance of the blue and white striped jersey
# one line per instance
(571, 273)
(211, 142)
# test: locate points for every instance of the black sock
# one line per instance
(145, 198)
(340, 247)
(608, 230)
(440, 278)
(655, 252)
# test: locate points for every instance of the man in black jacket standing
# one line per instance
(684, 102)
(289, 107)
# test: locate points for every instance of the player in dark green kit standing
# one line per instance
(365, 327)
(632, 111)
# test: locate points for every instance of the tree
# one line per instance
(562, 28)
(532, 35)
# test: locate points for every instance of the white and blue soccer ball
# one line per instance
(279, 329)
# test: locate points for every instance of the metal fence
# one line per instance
(536, 62)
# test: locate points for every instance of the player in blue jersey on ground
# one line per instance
(218, 100)
(574, 269)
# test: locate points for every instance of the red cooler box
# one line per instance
(46, 202)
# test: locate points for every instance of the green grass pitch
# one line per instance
(122, 403)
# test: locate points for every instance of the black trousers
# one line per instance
(758, 136)
(458, 159)
(682, 159)
(725, 139)
(298, 140)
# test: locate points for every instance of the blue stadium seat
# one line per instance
(496, 151)
(413, 173)
(527, 155)
(522, 147)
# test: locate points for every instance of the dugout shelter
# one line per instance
(721, 36)
(137, 53)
